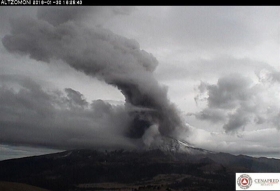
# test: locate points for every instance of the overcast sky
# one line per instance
(218, 65)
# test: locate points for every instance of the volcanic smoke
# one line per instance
(99, 53)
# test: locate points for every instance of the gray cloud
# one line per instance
(270, 75)
(30, 115)
(11, 12)
(8, 151)
(262, 142)
(276, 120)
(59, 15)
(203, 28)
(211, 25)
(214, 115)
(275, 76)
(229, 91)
(237, 120)
(102, 54)
(76, 98)
(236, 101)
(210, 68)
(191, 43)
(99, 14)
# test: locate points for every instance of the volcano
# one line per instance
(173, 166)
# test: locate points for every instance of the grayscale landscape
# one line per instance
(138, 97)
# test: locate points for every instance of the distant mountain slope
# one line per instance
(80, 170)
(12, 186)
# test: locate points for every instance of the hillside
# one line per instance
(81, 170)
(11, 186)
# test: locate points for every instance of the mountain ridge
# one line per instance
(72, 170)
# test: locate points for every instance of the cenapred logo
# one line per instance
(257, 181)
(244, 181)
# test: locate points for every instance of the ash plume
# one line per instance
(99, 53)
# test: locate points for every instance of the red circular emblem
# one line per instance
(244, 181)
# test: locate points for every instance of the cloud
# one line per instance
(229, 91)
(268, 75)
(190, 43)
(76, 98)
(97, 14)
(276, 120)
(201, 28)
(236, 101)
(237, 120)
(8, 152)
(212, 25)
(9, 13)
(98, 53)
(210, 68)
(59, 15)
(31, 115)
(214, 115)
(249, 143)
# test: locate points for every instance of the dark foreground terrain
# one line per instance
(87, 170)
(11, 186)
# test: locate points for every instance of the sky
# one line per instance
(86, 77)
